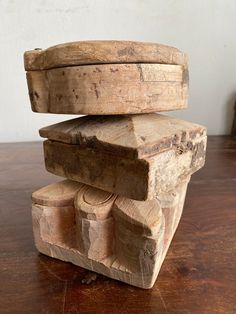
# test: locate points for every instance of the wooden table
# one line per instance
(198, 274)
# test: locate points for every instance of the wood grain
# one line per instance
(57, 194)
(131, 136)
(95, 52)
(94, 222)
(109, 89)
(129, 243)
(197, 276)
(171, 151)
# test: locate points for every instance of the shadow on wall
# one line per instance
(230, 115)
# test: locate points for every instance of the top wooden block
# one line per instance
(107, 78)
(101, 52)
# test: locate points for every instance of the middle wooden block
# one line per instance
(137, 156)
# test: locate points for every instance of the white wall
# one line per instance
(205, 29)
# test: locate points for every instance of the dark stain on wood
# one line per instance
(59, 97)
(128, 51)
(114, 70)
(139, 67)
(36, 95)
(95, 90)
(31, 96)
(185, 76)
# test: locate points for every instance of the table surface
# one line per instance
(197, 276)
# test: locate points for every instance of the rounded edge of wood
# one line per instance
(101, 52)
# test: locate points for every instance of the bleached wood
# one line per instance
(94, 204)
(94, 222)
(58, 224)
(95, 52)
(140, 229)
(109, 89)
(139, 234)
(140, 217)
(95, 238)
(134, 156)
(57, 194)
(172, 204)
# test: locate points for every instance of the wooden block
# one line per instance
(95, 238)
(95, 52)
(137, 156)
(57, 224)
(57, 194)
(138, 233)
(94, 222)
(109, 89)
(56, 201)
(94, 204)
(172, 204)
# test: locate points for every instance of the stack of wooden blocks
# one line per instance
(126, 167)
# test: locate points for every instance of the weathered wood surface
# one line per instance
(118, 237)
(131, 136)
(95, 52)
(109, 89)
(197, 276)
(134, 156)
(58, 194)
(94, 224)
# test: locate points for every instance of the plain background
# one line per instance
(205, 29)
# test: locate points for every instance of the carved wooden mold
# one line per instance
(118, 237)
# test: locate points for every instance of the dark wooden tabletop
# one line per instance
(197, 276)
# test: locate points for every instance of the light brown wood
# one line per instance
(109, 89)
(95, 238)
(131, 136)
(137, 241)
(94, 204)
(57, 194)
(138, 157)
(95, 52)
(58, 224)
(139, 234)
(94, 222)
(140, 217)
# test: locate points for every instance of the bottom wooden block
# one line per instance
(115, 236)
